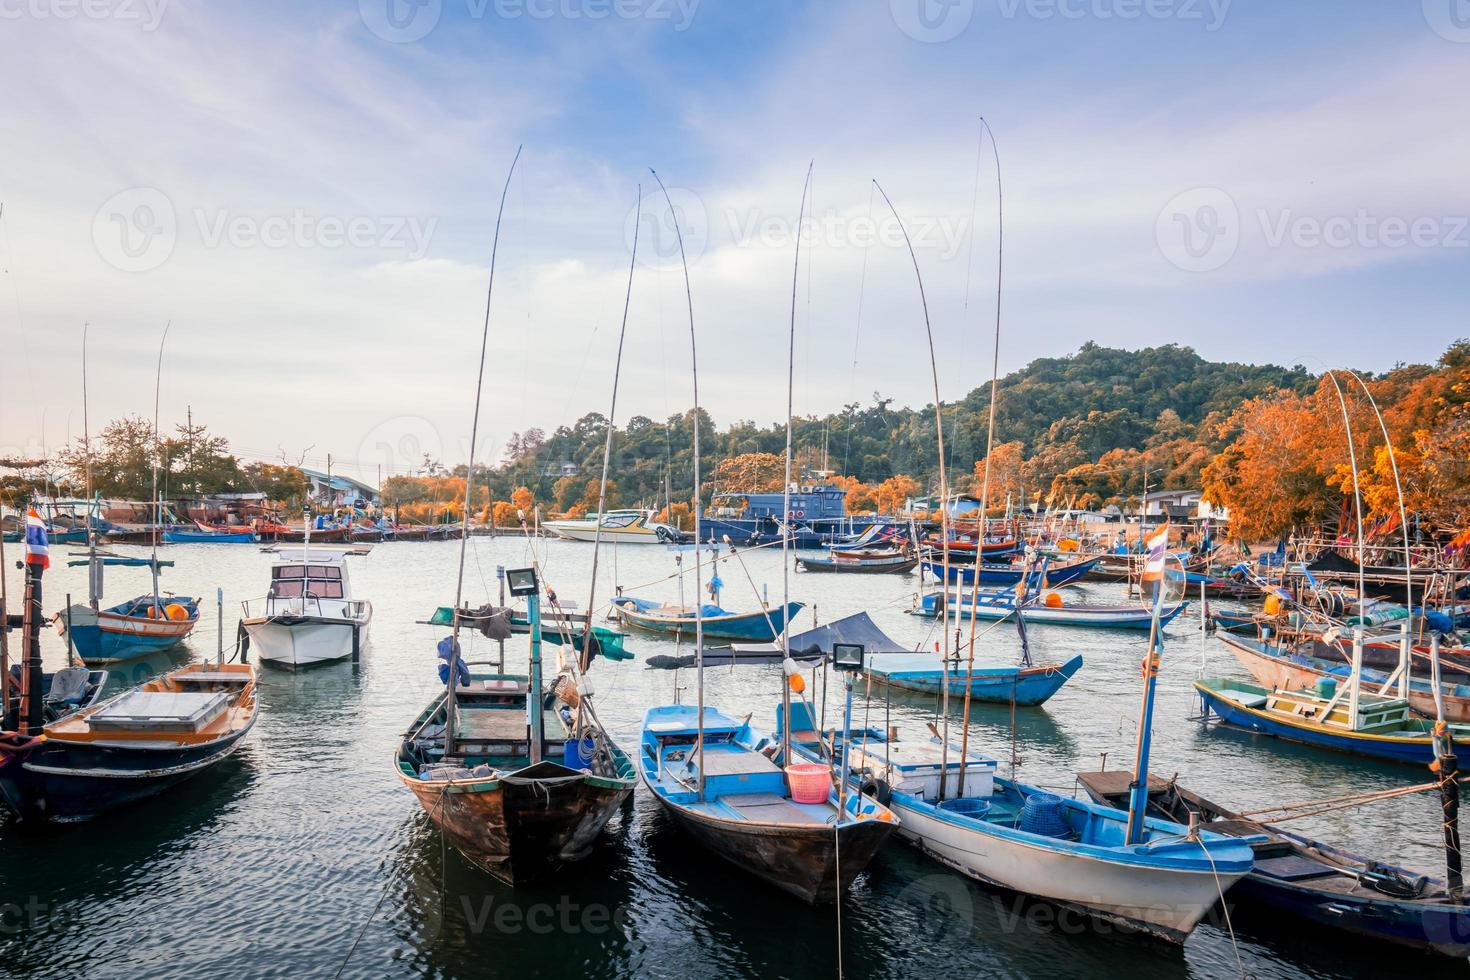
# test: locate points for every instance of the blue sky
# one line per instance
(308, 191)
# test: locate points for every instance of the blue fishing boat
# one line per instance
(1384, 728)
(1049, 609)
(952, 806)
(1234, 620)
(1011, 574)
(1307, 879)
(142, 625)
(719, 785)
(816, 517)
(897, 562)
(761, 626)
(199, 535)
(925, 673)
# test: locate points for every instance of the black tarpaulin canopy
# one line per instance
(811, 646)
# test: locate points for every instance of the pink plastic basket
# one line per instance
(810, 782)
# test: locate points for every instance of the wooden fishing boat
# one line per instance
(729, 796)
(516, 812)
(1289, 668)
(1016, 836)
(132, 746)
(203, 535)
(1309, 880)
(1050, 610)
(1385, 729)
(142, 625)
(861, 564)
(1012, 574)
(64, 692)
(760, 626)
(321, 535)
(925, 673)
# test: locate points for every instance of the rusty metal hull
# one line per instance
(800, 860)
(526, 825)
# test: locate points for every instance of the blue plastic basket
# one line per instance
(1043, 815)
(966, 806)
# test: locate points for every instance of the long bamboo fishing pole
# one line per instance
(612, 413)
(943, 497)
(698, 568)
(469, 478)
(157, 452)
(786, 487)
(985, 485)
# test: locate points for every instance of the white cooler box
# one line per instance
(913, 768)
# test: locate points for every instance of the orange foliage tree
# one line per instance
(892, 494)
(751, 473)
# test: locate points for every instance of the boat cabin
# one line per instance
(814, 502)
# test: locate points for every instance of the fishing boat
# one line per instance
(926, 673)
(142, 625)
(1290, 667)
(1011, 574)
(1048, 608)
(953, 807)
(132, 746)
(717, 783)
(200, 534)
(815, 514)
(63, 693)
(309, 616)
(514, 791)
(763, 625)
(862, 564)
(1381, 728)
(616, 526)
(517, 794)
(1312, 881)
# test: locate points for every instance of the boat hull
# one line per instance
(1415, 751)
(297, 642)
(1164, 903)
(524, 829)
(1026, 686)
(107, 637)
(1010, 574)
(1279, 672)
(756, 627)
(1097, 617)
(801, 861)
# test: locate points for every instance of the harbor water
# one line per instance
(304, 856)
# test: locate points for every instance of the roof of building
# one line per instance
(338, 482)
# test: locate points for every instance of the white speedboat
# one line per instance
(618, 527)
(309, 616)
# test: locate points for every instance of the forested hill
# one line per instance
(1089, 423)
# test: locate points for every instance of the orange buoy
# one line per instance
(1273, 604)
(151, 612)
(176, 612)
(797, 683)
(1053, 600)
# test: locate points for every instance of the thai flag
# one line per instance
(1157, 548)
(36, 550)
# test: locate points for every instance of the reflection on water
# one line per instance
(277, 861)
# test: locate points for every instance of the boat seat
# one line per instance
(770, 808)
(68, 685)
(1245, 698)
(740, 763)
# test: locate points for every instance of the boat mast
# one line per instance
(469, 477)
(944, 526)
(612, 413)
(157, 451)
(985, 485)
(93, 592)
(698, 568)
(1138, 788)
(786, 662)
(1355, 680)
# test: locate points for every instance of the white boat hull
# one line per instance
(304, 641)
(609, 535)
(1163, 902)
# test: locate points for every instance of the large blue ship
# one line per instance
(817, 517)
